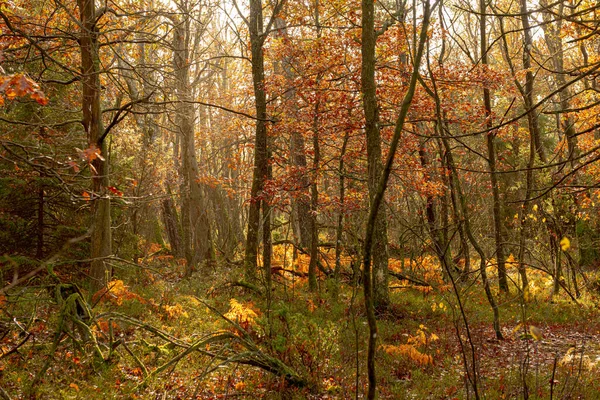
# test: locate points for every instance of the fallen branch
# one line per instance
(251, 354)
(413, 280)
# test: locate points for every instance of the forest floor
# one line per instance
(158, 335)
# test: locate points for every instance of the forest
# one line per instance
(311, 199)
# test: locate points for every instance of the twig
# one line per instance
(4, 395)
(552, 379)
(16, 348)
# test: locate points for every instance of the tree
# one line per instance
(258, 35)
(101, 246)
(371, 110)
(368, 45)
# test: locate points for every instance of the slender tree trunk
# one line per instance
(171, 222)
(454, 179)
(257, 38)
(301, 208)
(340, 222)
(455, 185)
(39, 253)
(371, 111)
(532, 124)
(314, 189)
(368, 48)
(197, 240)
(491, 147)
(101, 241)
(552, 34)
(464, 241)
(314, 204)
(437, 236)
(532, 117)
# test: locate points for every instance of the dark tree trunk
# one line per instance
(370, 101)
(171, 222)
(257, 37)
(340, 222)
(532, 117)
(437, 235)
(371, 111)
(39, 253)
(491, 147)
(101, 242)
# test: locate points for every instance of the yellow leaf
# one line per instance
(516, 328)
(565, 243)
(535, 207)
(535, 332)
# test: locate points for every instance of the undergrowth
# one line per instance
(154, 334)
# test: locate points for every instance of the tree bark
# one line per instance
(368, 48)
(197, 240)
(437, 235)
(101, 241)
(374, 166)
(314, 189)
(532, 124)
(257, 37)
(532, 117)
(39, 253)
(171, 221)
(340, 222)
(301, 211)
(491, 148)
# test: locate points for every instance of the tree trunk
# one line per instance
(368, 71)
(39, 253)
(171, 221)
(257, 37)
(532, 124)
(197, 241)
(370, 106)
(101, 242)
(532, 117)
(301, 212)
(340, 222)
(455, 181)
(314, 204)
(437, 236)
(491, 147)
